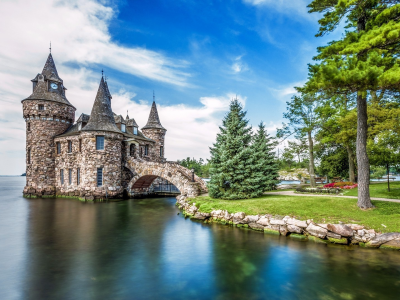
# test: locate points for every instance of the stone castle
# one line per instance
(101, 155)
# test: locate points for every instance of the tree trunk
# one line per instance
(350, 153)
(364, 200)
(387, 168)
(311, 152)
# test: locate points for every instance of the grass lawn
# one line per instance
(379, 190)
(321, 209)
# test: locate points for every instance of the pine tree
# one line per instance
(265, 167)
(230, 161)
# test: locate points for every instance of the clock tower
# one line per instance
(47, 113)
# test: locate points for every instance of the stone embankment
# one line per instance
(345, 234)
(296, 174)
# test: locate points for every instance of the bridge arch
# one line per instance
(145, 172)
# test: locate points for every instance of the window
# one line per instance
(141, 151)
(78, 176)
(29, 126)
(58, 147)
(62, 176)
(132, 150)
(99, 176)
(135, 130)
(29, 155)
(123, 127)
(41, 107)
(161, 151)
(80, 145)
(146, 150)
(70, 176)
(100, 142)
(80, 126)
(69, 146)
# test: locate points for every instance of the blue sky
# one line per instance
(196, 55)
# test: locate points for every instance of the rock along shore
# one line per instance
(344, 234)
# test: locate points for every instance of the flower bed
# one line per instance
(343, 185)
(324, 190)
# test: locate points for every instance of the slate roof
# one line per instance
(102, 117)
(154, 119)
(41, 91)
(84, 118)
(131, 122)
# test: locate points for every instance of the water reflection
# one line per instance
(142, 249)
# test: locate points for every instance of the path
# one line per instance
(292, 193)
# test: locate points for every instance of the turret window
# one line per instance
(123, 127)
(62, 176)
(78, 176)
(70, 176)
(100, 142)
(58, 144)
(29, 155)
(146, 150)
(161, 151)
(41, 107)
(29, 127)
(135, 130)
(69, 146)
(99, 176)
(141, 151)
(80, 145)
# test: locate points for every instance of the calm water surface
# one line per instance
(142, 249)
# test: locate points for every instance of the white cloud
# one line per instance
(298, 7)
(238, 65)
(285, 92)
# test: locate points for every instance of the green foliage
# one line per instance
(377, 172)
(201, 168)
(264, 165)
(241, 167)
(334, 161)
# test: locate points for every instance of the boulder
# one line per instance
(341, 229)
(199, 216)
(251, 219)
(256, 226)
(317, 231)
(298, 223)
(323, 225)
(294, 228)
(382, 239)
(272, 229)
(277, 222)
(238, 217)
(334, 235)
(263, 221)
(392, 245)
(283, 230)
(355, 226)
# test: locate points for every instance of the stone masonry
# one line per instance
(64, 159)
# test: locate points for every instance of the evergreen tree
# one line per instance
(265, 167)
(231, 170)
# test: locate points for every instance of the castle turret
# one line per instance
(47, 113)
(155, 131)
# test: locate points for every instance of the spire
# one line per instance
(154, 119)
(127, 115)
(49, 69)
(101, 117)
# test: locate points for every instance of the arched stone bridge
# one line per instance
(144, 172)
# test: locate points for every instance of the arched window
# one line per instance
(29, 126)
(132, 150)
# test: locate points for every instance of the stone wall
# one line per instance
(88, 160)
(157, 135)
(41, 127)
(344, 234)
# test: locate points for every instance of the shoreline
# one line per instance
(341, 234)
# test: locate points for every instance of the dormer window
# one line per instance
(123, 127)
(135, 130)
(79, 126)
(41, 107)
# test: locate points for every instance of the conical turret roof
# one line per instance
(41, 90)
(101, 117)
(50, 70)
(154, 119)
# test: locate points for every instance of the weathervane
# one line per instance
(50, 47)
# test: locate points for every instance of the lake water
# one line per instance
(142, 249)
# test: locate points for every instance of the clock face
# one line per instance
(54, 86)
